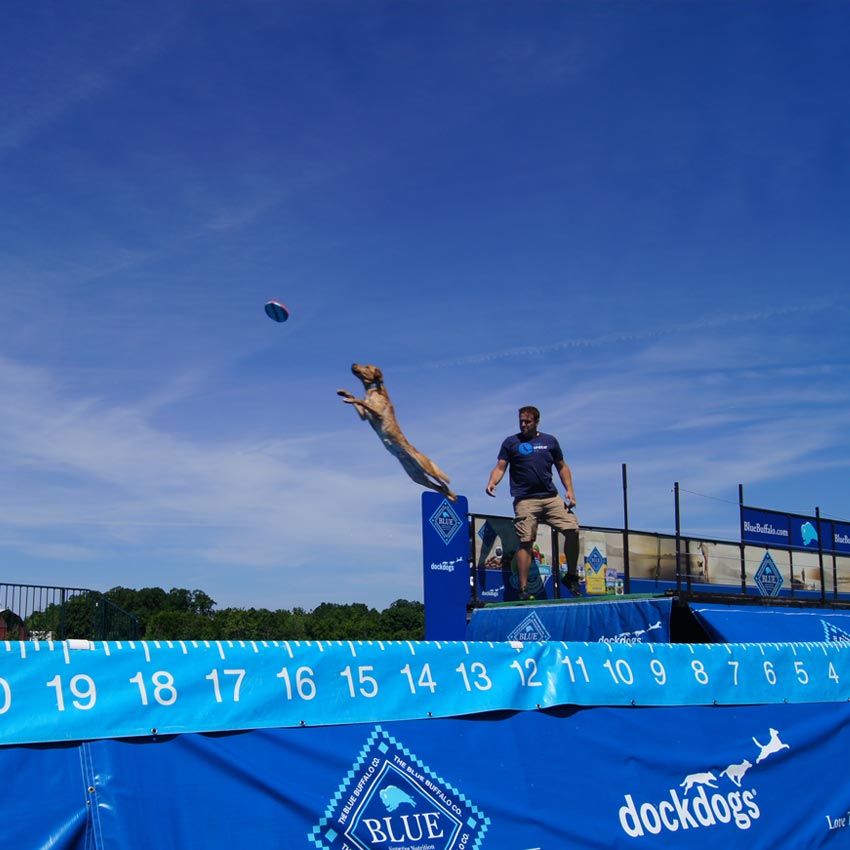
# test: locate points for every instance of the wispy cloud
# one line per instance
(617, 337)
(93, 477)
(72, 72)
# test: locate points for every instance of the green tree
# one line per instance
(182, 614)
(191, 601)
(179, 625)
(331, 621)
(291, 625)
(403, 620)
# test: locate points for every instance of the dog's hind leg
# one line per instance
(441, 488)
(429, 467)
(414, 469)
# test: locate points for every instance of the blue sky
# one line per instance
(634, 215)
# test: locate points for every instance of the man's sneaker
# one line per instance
(524, 595)
(572, 584)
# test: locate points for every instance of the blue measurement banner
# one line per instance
(54, 692)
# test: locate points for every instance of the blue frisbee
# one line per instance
(276, 311)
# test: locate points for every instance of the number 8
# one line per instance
(699, 672)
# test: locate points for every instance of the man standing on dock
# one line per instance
(531, 456)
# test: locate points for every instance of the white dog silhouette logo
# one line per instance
(774, 745)
(692, 779)
(735, 772)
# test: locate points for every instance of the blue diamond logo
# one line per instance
(595, 560)
(833, 634)
(768, 579)
(530, 629)
(446, 522)
(487, 534)
(392, 799)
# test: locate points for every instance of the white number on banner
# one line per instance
(237, 685)
(481, 681)
(832, 674)
(658, 671)
(699, 672)
(734, 666)
(425, 678)
(579, 665)
(802, 675)
(769, 673)
(368, 684)
(7, 696)
(304, 685)
(164, 691)
(620, 671)
(87, 694)
(528, 681)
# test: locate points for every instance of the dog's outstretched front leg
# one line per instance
(360, 405)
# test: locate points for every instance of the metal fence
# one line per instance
(37, 612)
(652, 563)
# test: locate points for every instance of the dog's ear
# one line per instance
(379, 375)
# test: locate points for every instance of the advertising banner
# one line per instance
(766, 528)
(841, 537)
(804, 533)
(686, 778)
(445, 565)
(771, 528)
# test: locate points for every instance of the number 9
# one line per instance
(658, 671)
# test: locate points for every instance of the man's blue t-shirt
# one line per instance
(530, 463)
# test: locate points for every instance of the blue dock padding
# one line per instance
(609, 621)
(758, 624)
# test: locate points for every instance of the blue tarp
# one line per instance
(691, 777)
(620, 621)
(757, 624)
(414, 745)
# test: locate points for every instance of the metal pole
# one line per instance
(555, 566)
(678, 539)
(741, 525)
(626, 569)
(820, 558)
(62, 615)
(473, 572)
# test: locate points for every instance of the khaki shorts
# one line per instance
(529, 513)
